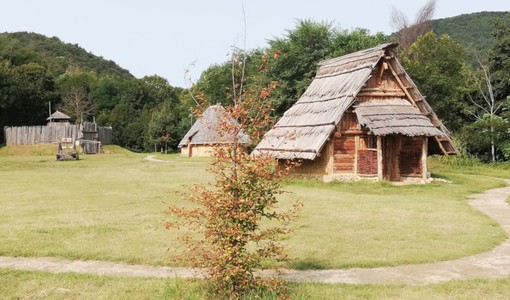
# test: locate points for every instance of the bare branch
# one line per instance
(244, 52)
(398, 19)
(408, 33)
(189, 81)
(426, 13)
(477, 105)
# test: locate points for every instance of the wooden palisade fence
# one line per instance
(52, 133)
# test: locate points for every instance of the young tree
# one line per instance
(487, 112)
(74, 87)
(233, 211)
(490, 130)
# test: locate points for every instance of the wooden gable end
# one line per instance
(381, 85)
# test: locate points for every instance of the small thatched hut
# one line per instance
(205, 133)
(58, 117)
(362, 116)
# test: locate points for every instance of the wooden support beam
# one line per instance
(400, 83)
(356, 149)
(381, 94)
(382, 67)
(380, 90)
(379, 158)
(424, 153)
(446, 153)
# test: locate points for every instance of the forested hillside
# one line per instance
(36, 70)
(474, 31)
(56, 55)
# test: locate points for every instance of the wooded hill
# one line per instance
(473, 31)
(56, 55)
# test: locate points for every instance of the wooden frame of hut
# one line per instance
(361, 117)
(205, 133)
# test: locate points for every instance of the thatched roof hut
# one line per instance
(205, 133)
(58, 116)
(359, 102)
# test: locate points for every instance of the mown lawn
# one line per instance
(39, 285)
(113, 207)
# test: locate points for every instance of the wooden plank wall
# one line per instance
(410, 157)
(46, 134)
(344, 154)
(105, 135)
(344, 144)
(31, 135)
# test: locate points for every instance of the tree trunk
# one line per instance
(493, 148)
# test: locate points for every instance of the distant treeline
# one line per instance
(36, 70)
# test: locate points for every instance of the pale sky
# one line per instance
(164, 37)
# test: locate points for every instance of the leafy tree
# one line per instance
(346, 41)
(105, 93)
(31, 89)
(499, 60)
(300, 52)
(488, 137)
(486, 112)
(136, 93)
(215, 84)
(437, 66)
(159, 91)
(164, 119)
(127, 129)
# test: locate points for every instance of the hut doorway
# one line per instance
(391, 148)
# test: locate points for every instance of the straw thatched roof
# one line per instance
(205, 131)
(58, 115)
(309, 123)
(394, 116)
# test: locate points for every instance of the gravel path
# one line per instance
(491, 264)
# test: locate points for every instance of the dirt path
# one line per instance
(491, 264)
(154, 159)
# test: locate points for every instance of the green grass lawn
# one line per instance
(39, 285)
(113, 207)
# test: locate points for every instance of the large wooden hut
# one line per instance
(205, 133)
(361, 117)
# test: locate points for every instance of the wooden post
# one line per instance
(424, 153)
(356, 149)
(330, 156)
(379, 158)
(396, 146)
